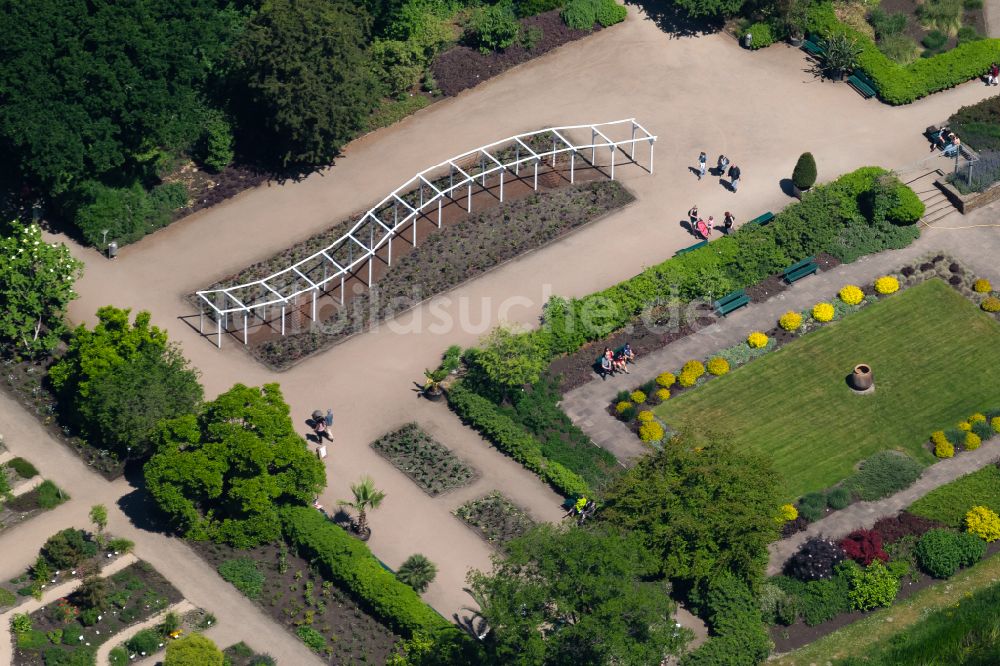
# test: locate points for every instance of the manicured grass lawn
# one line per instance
(935, 358)
(858, 639)
(951, 502)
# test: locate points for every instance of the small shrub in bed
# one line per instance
(872, 587)
(243, 573)
(823, 600)
(24, 469)
(864, 547)
(883, 474)
(812, 506)
(941, 552)
(838, 498)
(145, 642)
(417, 571)
(905, 524)
(815, 560)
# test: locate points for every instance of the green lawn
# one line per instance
(951, 502)
(935, 358)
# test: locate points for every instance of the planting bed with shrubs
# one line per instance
(241, 654)
(808, 377)
(453, 255)
(19, 509)
(829, 584)
(69, 629)
(153, 640)
(298, 597)
(495, 518)
(432, 466)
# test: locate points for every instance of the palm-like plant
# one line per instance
(366, 497)
(417, 572)
(841, 54)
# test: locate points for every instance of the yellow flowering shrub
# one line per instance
(665, 379)
(982, 286)
(851, 294)
(964, 426)
(645, 416)
(972, 441)
(991, 304)
(663, 394)
(651, 431)
(622, 406)
(638, 397)
(823, 312)
(687, 379)
(886, 285)
(757, 340)
(790, 321)
(787, 512)
(995, 423)
(984, 523)
(718, 366)
(977, 418)
(944, 449)
(696, 368)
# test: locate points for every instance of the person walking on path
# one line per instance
(728, 221)
(319, 426)
(693, 215)
(734, 177)
(702, 165)
(994, 75)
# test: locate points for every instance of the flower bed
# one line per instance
(293, 594)
(495, 518)
(453, 255)
(65, 630)
(431, 466)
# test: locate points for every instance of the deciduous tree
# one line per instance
(222, 474)
(576, 596)
(36, 284)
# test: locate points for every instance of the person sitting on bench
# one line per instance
(628, 353)
(619, 363)
(606, 366)
(953, 147)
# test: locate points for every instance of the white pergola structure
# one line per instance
(327, 270)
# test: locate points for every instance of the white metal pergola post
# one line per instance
(292, 282)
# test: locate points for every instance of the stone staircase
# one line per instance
(937, 205)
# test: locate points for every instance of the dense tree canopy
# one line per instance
(118, 380)
(701, 506)
(307, 81)
(576, 596)
(222, 474)
(36, 284)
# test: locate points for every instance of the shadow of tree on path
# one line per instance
(140, 507)
(674, 21)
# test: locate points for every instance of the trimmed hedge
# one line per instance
(899, 84)
(504, 433)
(347, 561)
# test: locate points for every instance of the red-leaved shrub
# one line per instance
(905, 524)
(864, 546)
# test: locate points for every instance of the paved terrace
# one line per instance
(762, 109)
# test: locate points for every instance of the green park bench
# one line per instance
(731, 302)
(800, 269)
(689, 249)
(762, 220)
(813, 45)
(863, 84)
(597, 361)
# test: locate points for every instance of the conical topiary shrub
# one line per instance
(804, 175)
(417, 572)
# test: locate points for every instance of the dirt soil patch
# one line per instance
(463, 67)
(207, 189)
(296, 596)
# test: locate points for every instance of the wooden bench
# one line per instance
(863, 84)
(762, 220)
(800, 269)
(689, 249)
(731, 302)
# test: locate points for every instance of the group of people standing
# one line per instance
(704, 228)
(722, 168)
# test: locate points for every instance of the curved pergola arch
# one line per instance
(321, 271)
